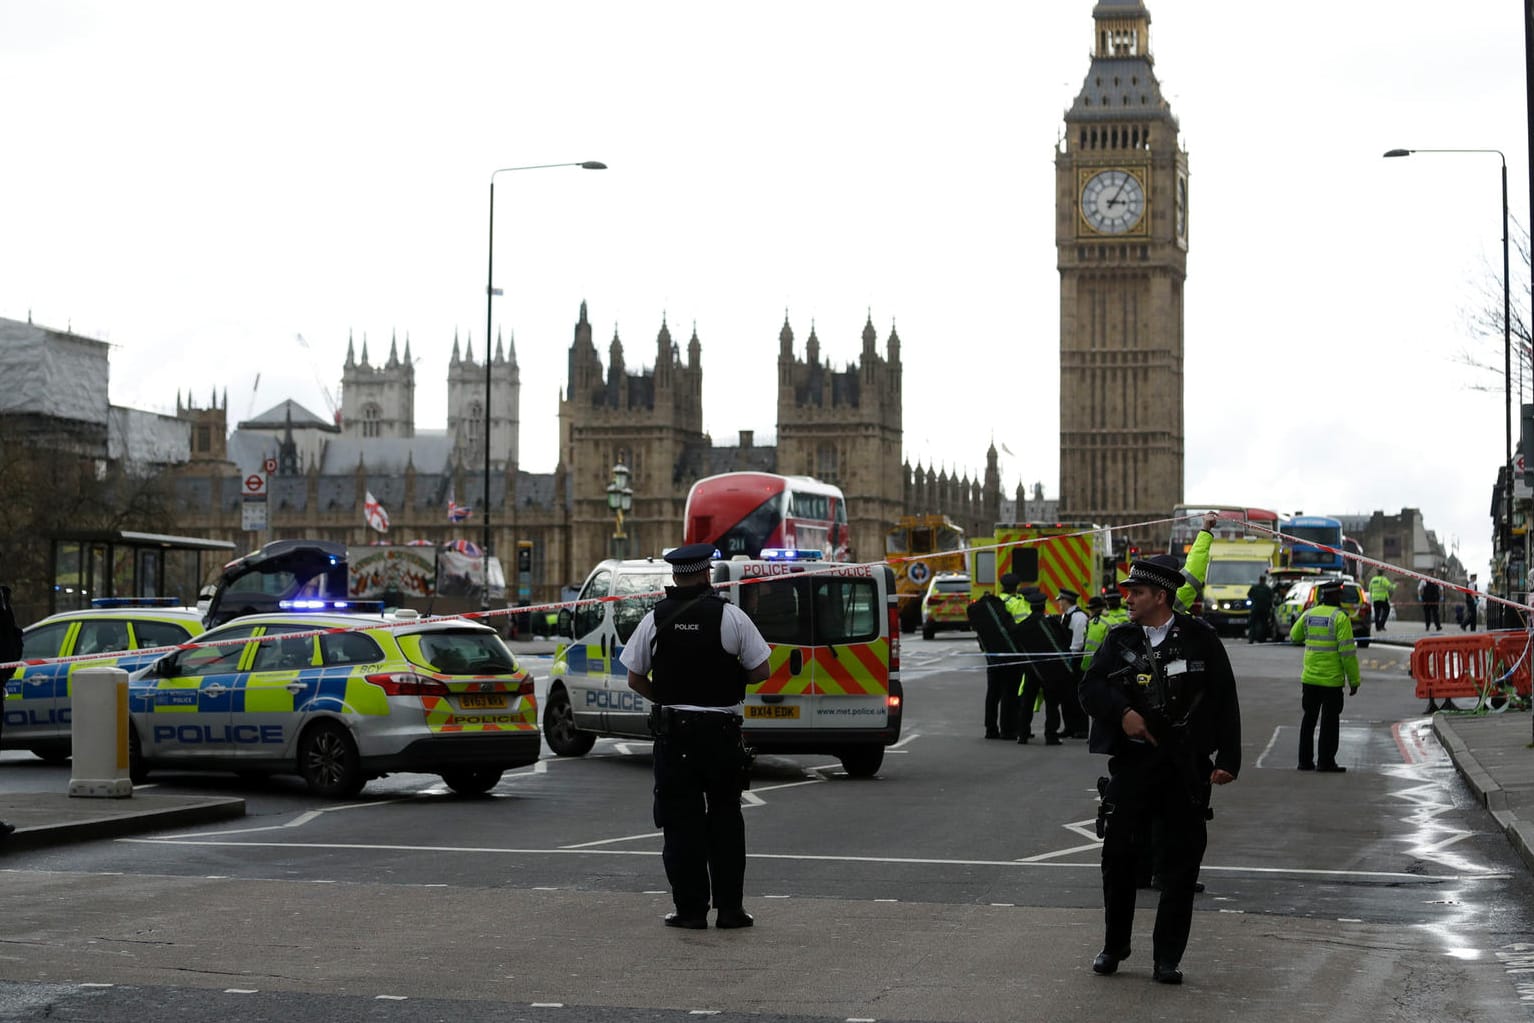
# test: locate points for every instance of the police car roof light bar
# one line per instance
(136, 602)
(323, 604)
(790, 554)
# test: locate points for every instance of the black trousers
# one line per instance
(1072, 717)
(1153, 800)
(1381, 614)
(698, 770)
(1257, 625)
(1324, 702)
(1431, 616)
(1470, 611)
(1032, 686)
(1001, 682)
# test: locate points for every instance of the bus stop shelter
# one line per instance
(121, 563)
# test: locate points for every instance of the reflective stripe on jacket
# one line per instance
(1331, 659)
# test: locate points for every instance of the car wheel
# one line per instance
(138, 771)
(559, 726)
(862, 761)
(472, 781)
(53, 752)
(328, 761)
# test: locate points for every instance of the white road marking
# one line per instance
(609, 841)
(1387, 875)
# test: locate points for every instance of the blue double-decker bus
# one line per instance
(1318, 529)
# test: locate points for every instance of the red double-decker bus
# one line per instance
(743, 512)
(1232, 526)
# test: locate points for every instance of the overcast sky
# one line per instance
(201, 183)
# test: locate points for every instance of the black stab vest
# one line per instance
(688, 663)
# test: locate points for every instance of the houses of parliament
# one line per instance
(840, 425)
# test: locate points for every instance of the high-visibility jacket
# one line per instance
(1331, 659)
(1380, 587)
(1097, 628)
(1115, 616)
(1017, 605)
(1194, 571)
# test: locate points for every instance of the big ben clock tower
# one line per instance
(1121, 231)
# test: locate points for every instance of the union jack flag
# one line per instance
(457, 512)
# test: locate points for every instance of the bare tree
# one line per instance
(46, 488)
(1485, 357)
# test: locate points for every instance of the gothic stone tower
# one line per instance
(1121, 229)
(378, 401)
(466, 406)
(647, 420)
(844, 428)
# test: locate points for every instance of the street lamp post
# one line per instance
(620, 498)
(1507, 366)
(490, 292)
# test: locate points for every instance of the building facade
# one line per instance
(840, 424)
(1121, 233)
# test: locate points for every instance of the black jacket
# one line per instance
(1206, 687)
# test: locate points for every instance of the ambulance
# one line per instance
(1052, 556)
(834, 631)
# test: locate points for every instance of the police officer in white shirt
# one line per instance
(691, 657)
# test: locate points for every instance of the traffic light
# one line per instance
(524, 557)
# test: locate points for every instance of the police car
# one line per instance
(37, 704)
(834, 631)
(337, 699)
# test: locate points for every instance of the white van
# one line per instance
(834, 630)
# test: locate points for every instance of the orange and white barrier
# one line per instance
(1473, 667)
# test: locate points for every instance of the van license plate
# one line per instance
(475, 701)
(771, 710)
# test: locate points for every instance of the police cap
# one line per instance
(1095, 604)
(690, 558)
(1035, 595)
(1161, 571)
(1009, 581)
(1070, 595)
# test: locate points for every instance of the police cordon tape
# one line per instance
(799, 569)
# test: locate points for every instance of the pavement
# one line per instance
(44, 819)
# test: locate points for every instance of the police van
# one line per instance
(834, 630)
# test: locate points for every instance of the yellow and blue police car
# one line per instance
(338, 699)
(37, 704)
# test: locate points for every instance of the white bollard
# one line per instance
(99, 729)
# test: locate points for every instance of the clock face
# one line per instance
(1113, 201)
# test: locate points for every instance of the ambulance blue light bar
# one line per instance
(135, 602)
(324, 604)
(790, 554)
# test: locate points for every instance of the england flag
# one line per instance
(374, 513)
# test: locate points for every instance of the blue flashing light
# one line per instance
(326, 604)
(135, 602)
(790, 554)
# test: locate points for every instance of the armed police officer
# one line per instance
(1163, 704)
(692, 656)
